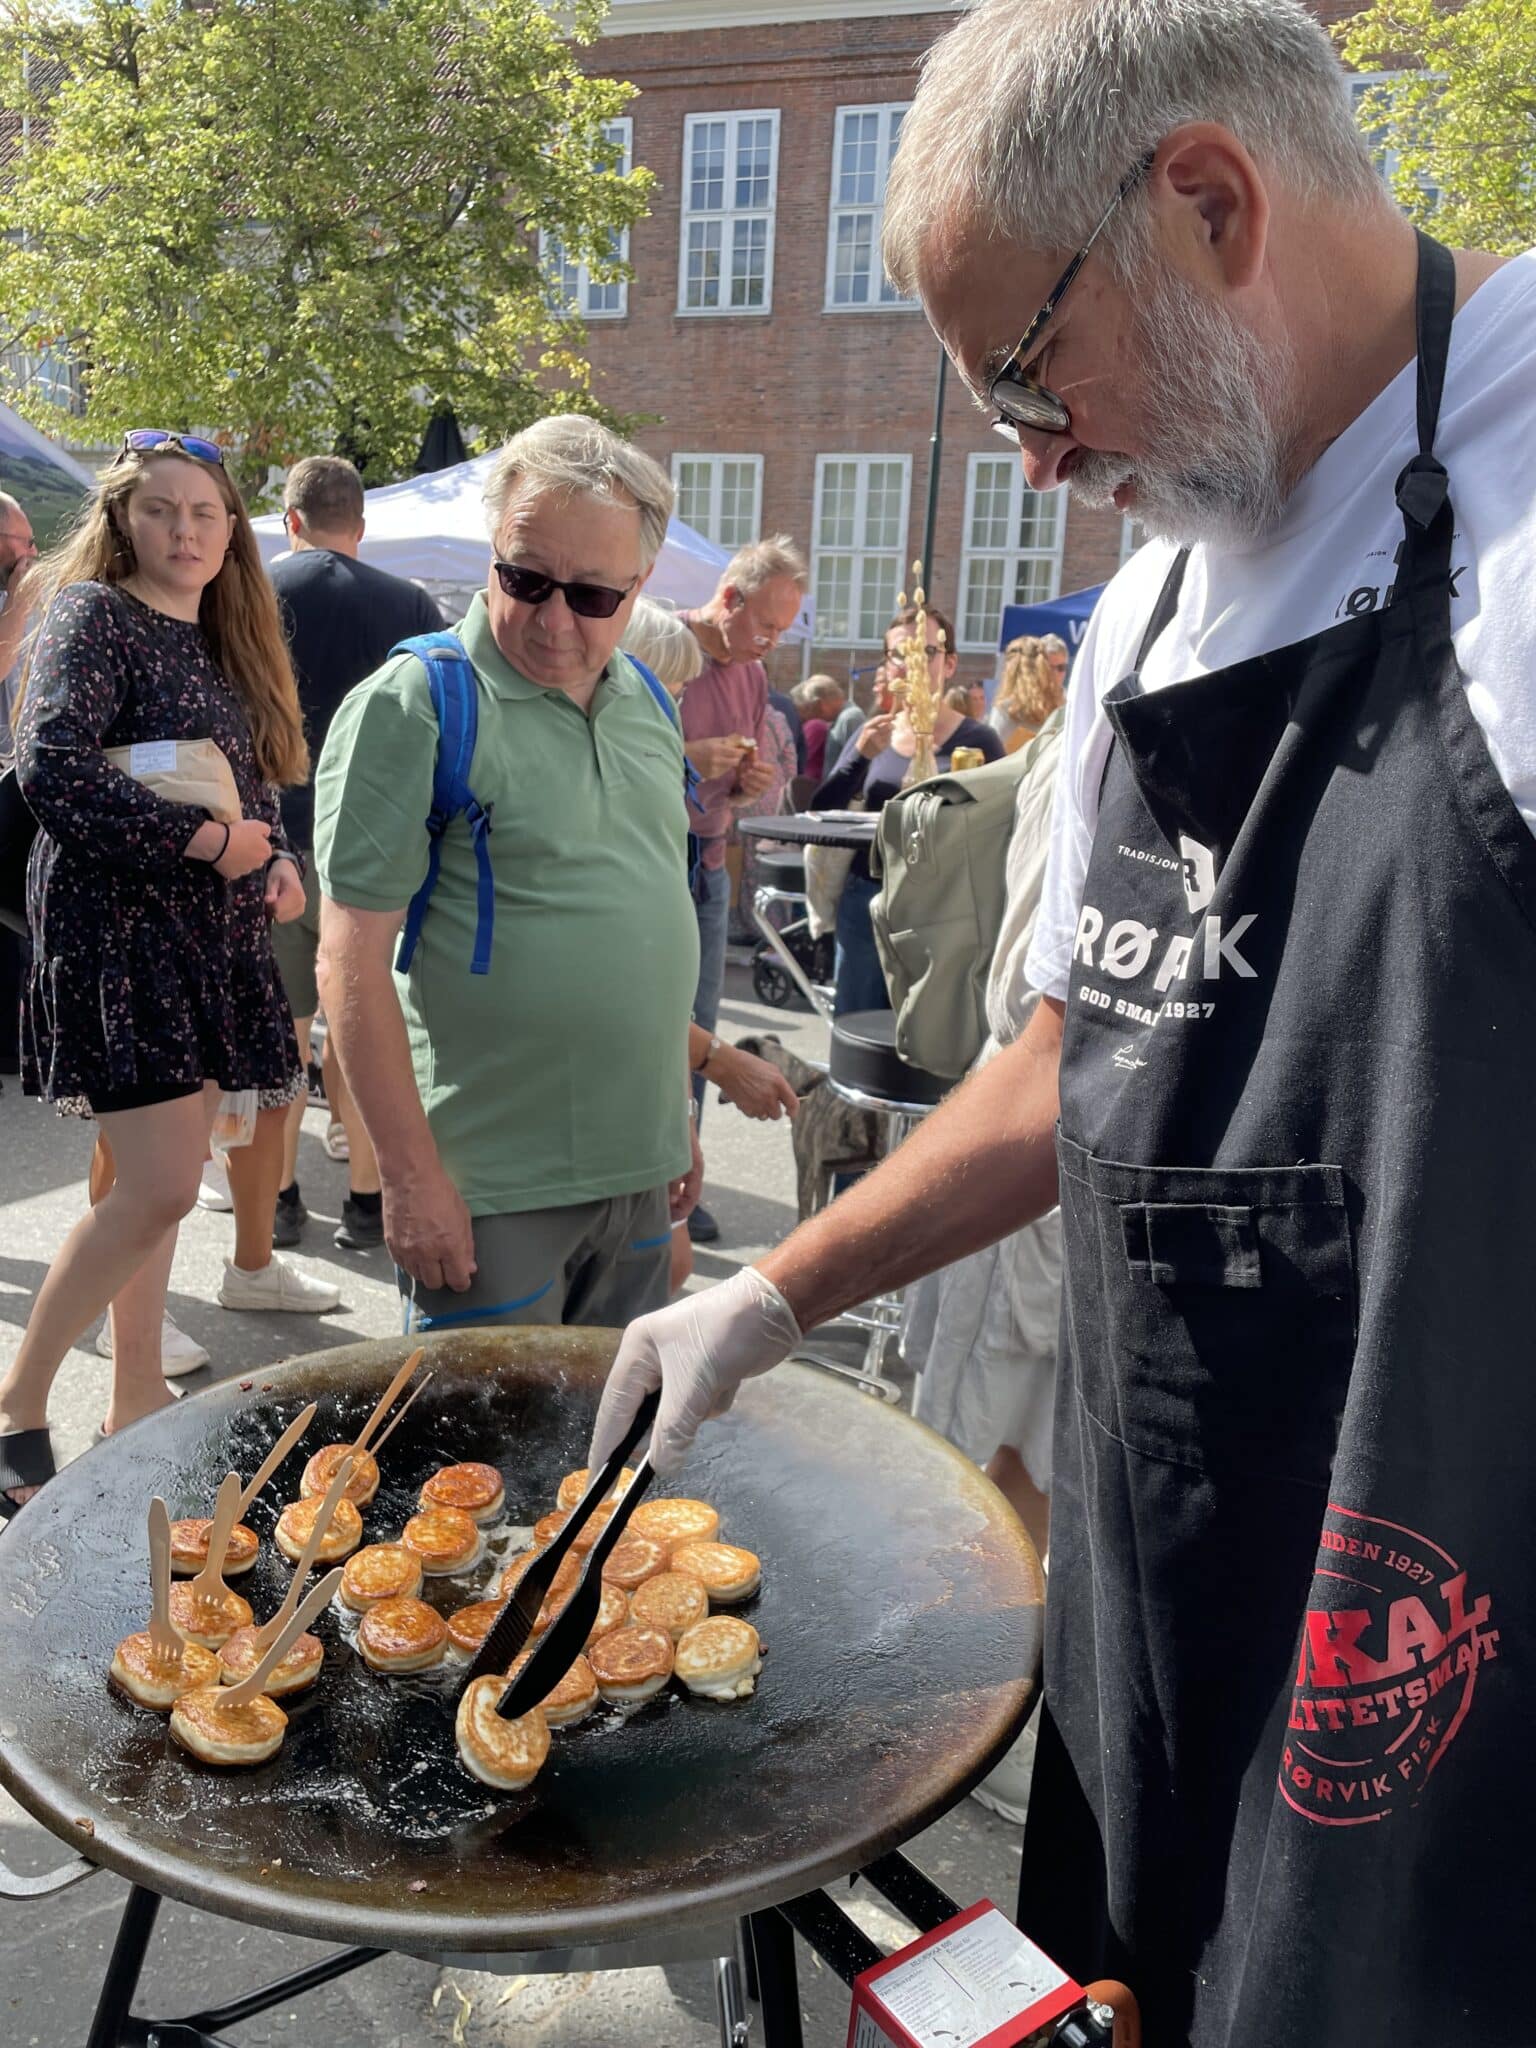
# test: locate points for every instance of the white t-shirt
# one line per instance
(1332, 556)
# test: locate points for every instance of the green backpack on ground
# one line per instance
(940, 856)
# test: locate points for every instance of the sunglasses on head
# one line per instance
(586, 600)
(145, 440)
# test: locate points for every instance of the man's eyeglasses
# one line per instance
(586, 600)
(145, 440)
(1020, 400)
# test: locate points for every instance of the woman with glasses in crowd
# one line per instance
(872, 767)
(153, 988)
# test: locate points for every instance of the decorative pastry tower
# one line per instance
(915, 692)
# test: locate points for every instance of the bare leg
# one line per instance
(1009, 1474)
(137, 1308)
(255, 1175)
(363, 1168)
(158, 1154)
(295, 1123)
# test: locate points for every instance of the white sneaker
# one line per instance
(277, 1286)
(1005, 1788)
(337, 1143)
(213, 1189)
(179, 1353)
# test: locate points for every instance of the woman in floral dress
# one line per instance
(153, 987)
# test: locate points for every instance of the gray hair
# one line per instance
(764, 561)
(657, 636)
(1030, 112)
(813, 691)
(8, 505)
(567, 453)
(1054, 644)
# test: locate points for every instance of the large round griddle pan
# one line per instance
(901, 1610)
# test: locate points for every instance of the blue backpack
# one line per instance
(452, 679)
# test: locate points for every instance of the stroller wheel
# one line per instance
(770, 982)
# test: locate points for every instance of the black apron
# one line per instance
(1284, 1777)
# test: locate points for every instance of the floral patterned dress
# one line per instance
(148, 969)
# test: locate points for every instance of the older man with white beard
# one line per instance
(1278, 1080)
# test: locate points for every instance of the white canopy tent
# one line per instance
(432, 529)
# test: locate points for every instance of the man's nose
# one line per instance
(1042, 456)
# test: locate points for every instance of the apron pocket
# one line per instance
(1211, 1311)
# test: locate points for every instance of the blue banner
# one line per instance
(1067, 616)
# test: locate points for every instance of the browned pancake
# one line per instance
(469, 1626)
(574, 1696)
(296, 1669)
(205, 1723)
(633, 1560)
(676, 1521)
(137, 1671)
(506, 1754)
(362, 1482)
(632, 1663)
(612, 1612)
(380, 1571)
(343, 1533)
(567, 1572)
(445, 1539)
(213, 1624)
(719, 1659)
(673, 1601)
(548, 1527)
(475, 1489)
(190, 1544)
(728, 1572)
(402, 1635)
(574, 1485)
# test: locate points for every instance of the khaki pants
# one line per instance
(594, 1263)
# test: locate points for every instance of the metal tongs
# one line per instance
(563, 1642)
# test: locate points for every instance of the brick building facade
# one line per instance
(790, 392)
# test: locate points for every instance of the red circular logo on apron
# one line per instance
(1390, 1652)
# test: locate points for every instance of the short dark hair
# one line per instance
(936, 620)
(325, 491)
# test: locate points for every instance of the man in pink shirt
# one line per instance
(724, 712)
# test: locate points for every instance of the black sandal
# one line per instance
(26, 1459)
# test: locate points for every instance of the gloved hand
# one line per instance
(698, 1351)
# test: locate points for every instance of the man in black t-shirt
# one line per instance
(342, 617)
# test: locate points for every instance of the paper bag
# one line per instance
(185, 771)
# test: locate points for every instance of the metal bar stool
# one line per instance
(867, 1072)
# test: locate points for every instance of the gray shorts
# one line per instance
(595, 1263)
(296, 946)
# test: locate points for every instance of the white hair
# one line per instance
(764, 561)
(1030, 112)
(569, 454)
(657, 636)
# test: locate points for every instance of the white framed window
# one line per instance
(573, 284)
(860, 546)
(720, 496)
(1012, 551)
(730, 182)
(863, 143)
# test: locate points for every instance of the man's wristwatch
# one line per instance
(714, 1047)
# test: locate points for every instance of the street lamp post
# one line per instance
(935, 458)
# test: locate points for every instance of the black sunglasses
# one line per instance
(145, 440)
(586, 600)
(1020, 400)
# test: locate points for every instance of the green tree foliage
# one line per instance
(1460, 120)
(302, 224)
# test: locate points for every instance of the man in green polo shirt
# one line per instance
(532, 1123)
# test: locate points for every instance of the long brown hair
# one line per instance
(1029, 691)
(238, 612)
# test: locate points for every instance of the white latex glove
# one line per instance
(698, 1351)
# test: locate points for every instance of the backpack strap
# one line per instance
(668, 704)
(451, 678)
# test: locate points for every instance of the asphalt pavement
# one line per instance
(53, 1951)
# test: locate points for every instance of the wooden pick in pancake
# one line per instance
(390, 1392)
(209, 1585)
(396, 1420)
(247, 1689)
(271, 1630)
(165, 1641)
(276, 1455)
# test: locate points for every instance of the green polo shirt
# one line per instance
(559, 1076)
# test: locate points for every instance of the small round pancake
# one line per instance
(572, 1699)
(299, 1517)
(362, 1482)
(211, 1624)
(729, 1574)
(206, 1724)
(633, 1560)
(475, 1489)
(138, 1672)
(719, 1659)
(506, 1754)
(676, 1521)
(574, 1485)
(548, 1527)
(295, 1670)
(612, 1613)
(190, 1546)
(445, 1539)
(567, 1572)
(631, 1664)
(402, 1635)
(673, 1601)
(469, 1626)
(380, 1571)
